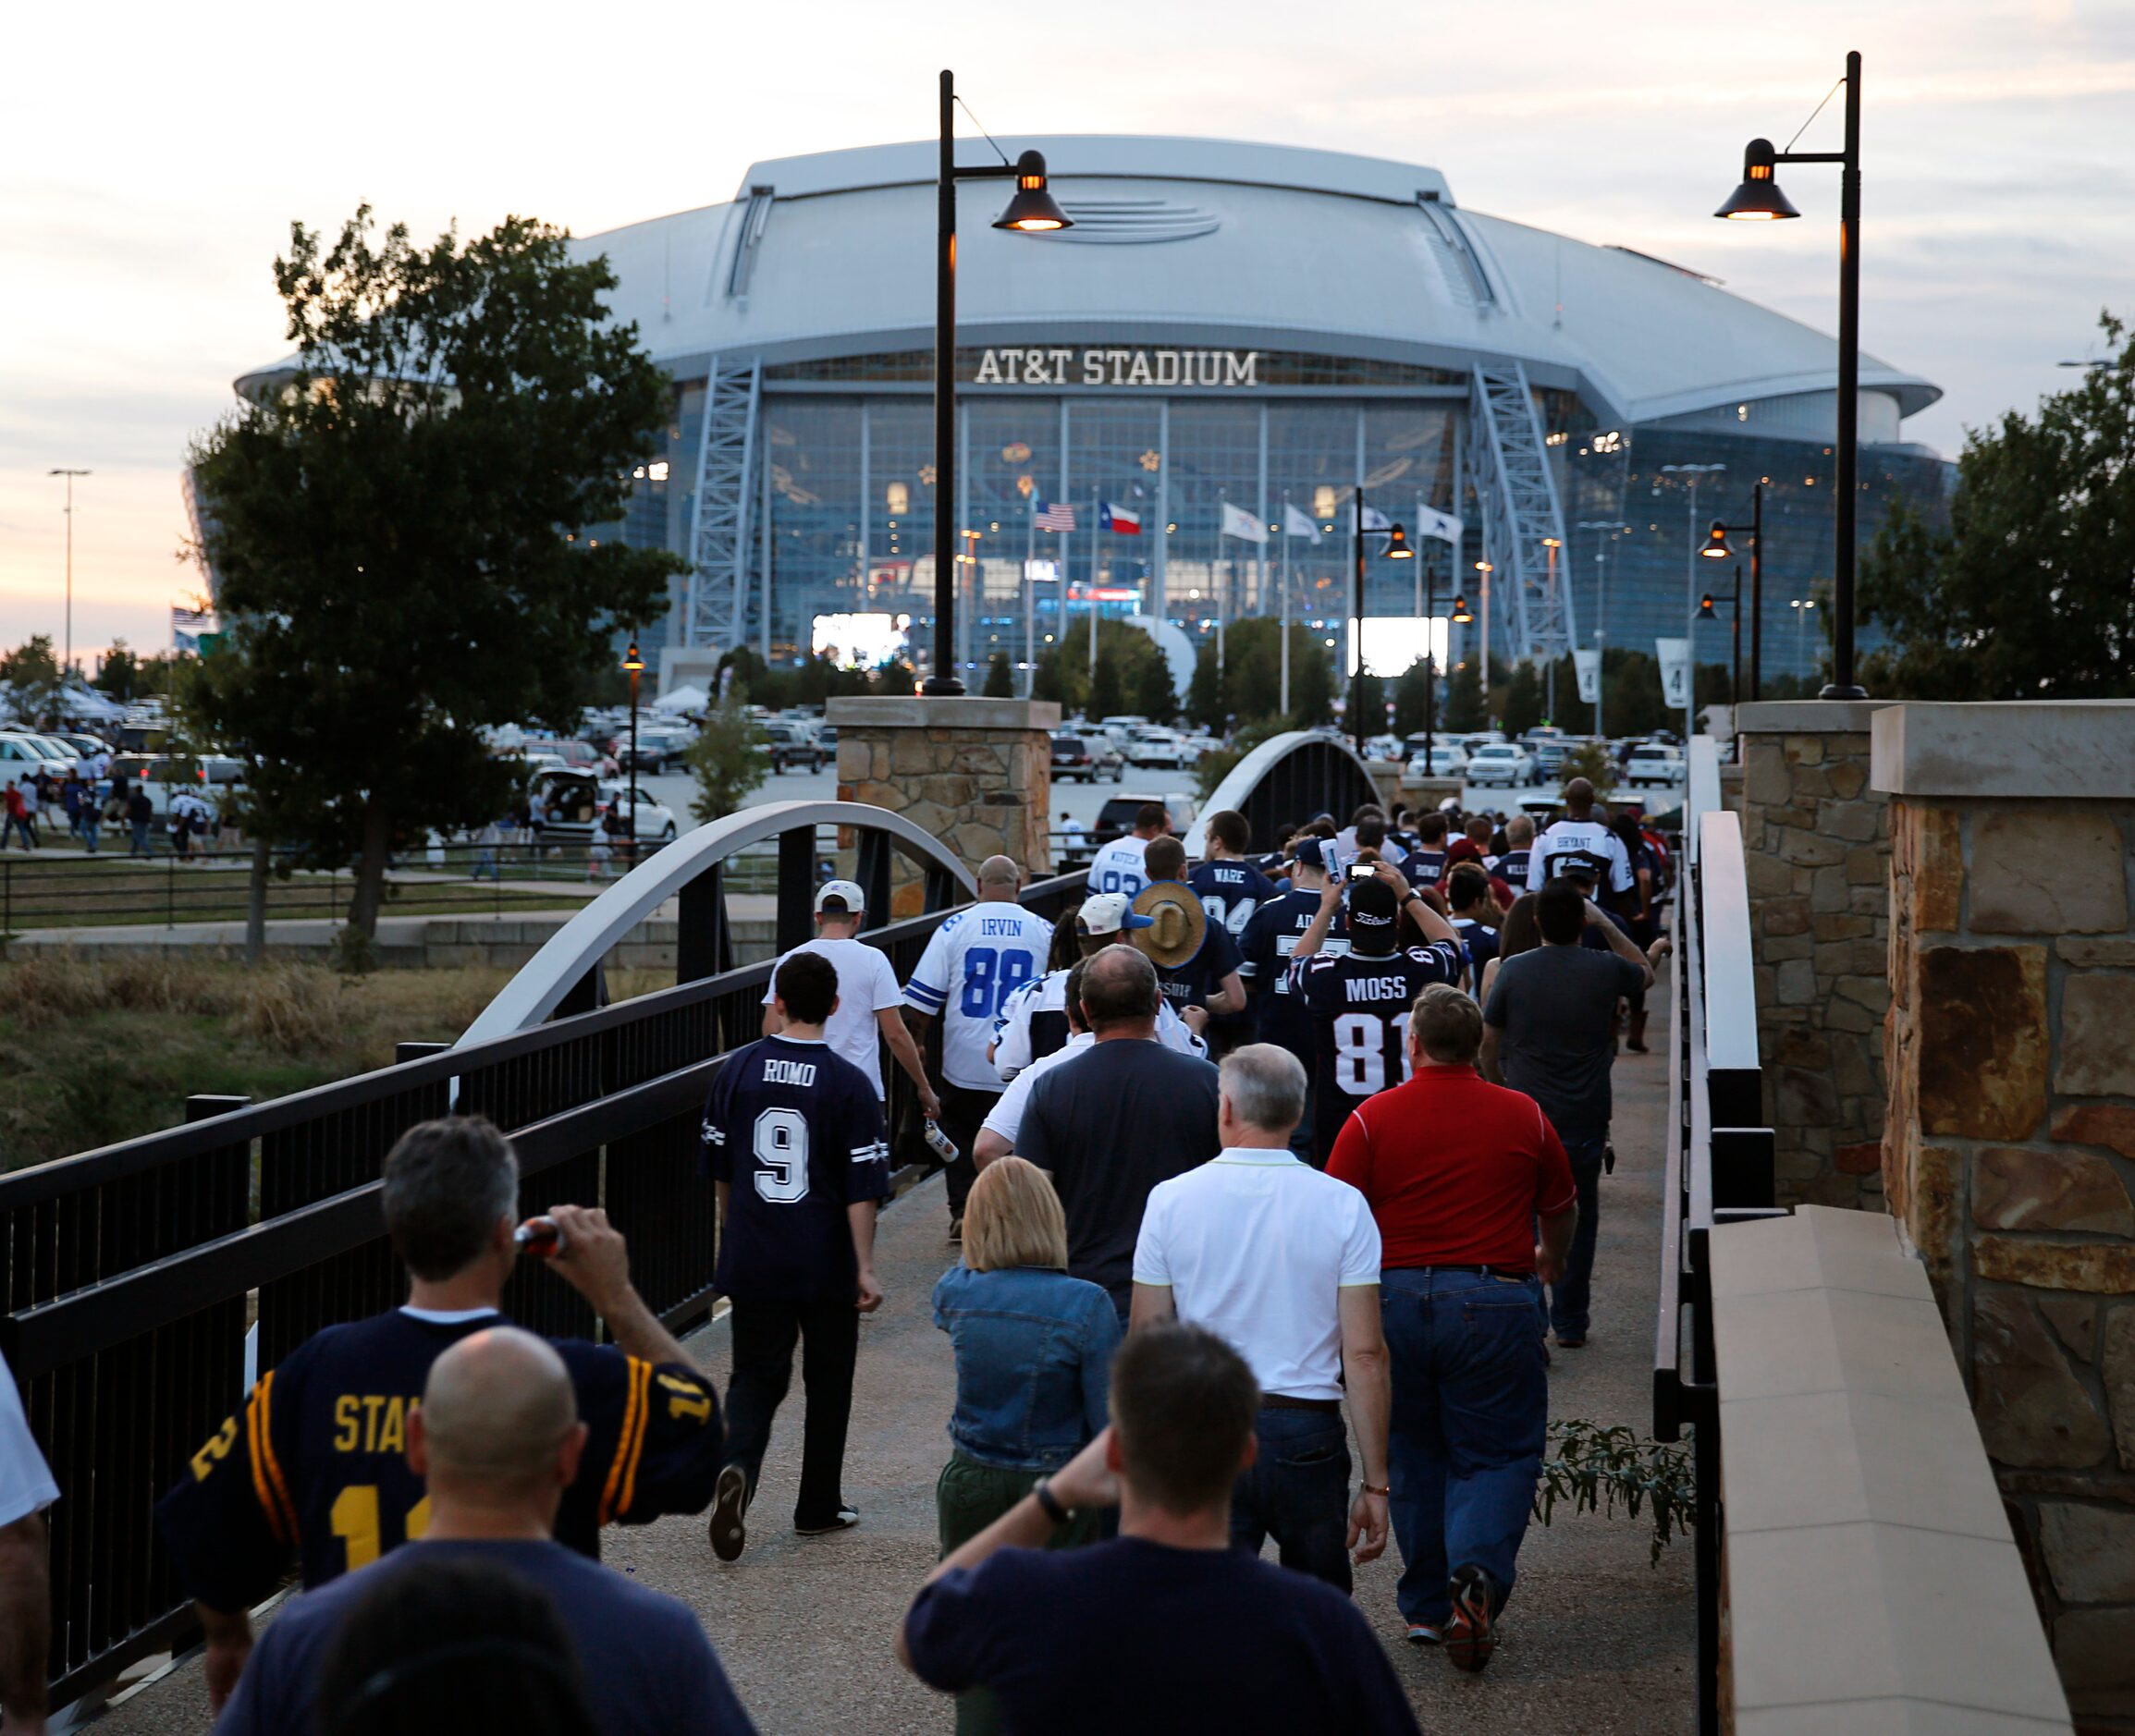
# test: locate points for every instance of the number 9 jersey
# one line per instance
(315, 1463)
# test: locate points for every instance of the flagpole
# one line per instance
(1285, 697)
(1223, 498)
(1029, 603)
(1093, 596)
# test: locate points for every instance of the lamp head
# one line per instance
(630, 660)
(1460, 615)
(1397, 547)
(1759, 198)
(1032, 209)
(1705, 608)
(1716, 543)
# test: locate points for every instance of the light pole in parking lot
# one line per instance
(1716, 549)
(635, 665)
(1460, 617)
(1397, 548)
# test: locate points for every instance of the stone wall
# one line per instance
(1817, 844)
(2009, 1153)
(975, 773)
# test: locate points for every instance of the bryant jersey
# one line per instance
(1034, 1022)
(976, 960)
(796, 1132)
(1585, 848)
(1359, 1005)
(315, 1463)
(1269, 939)
(1117, 867)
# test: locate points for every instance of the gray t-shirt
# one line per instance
(1110, 1125)
(1557, 1008)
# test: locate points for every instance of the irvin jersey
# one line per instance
(975, 962)
(313, 1463)
(1359, 1005)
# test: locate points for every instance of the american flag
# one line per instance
(1056, 516)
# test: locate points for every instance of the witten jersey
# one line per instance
(1579, 847)
(1264, 966)
(1512, 868)
(314, 1462)
(977, 960)
(1118, 867)
(1360, 1005)
(795, 1131)
(1034, 1022)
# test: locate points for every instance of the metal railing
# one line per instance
(128, 1274)
(1719, 1162)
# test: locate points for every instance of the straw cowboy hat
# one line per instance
(1177, 923)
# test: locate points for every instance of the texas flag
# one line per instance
(1123, 520)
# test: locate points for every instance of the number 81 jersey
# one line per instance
(973, 962)
(1359, 1004)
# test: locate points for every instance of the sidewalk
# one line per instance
(1594, 1642)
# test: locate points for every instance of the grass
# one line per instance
(93, 1052)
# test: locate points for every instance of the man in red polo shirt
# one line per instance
(1457, 1172)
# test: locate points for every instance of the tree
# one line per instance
(1000, 679)
(1151, 692)
(1464, 708)
(32, 678)
(728, 760)
(1415, 697)
(1523, 708)
(2030, 591)
(1108, 693)
(402, 531)
(1206, 702)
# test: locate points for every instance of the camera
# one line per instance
(1362, 870)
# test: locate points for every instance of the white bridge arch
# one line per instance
(1288, 777)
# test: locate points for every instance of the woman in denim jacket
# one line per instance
(1034, 1350)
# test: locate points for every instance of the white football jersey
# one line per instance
(1119, 867)
(976, 960)
(1584, 847)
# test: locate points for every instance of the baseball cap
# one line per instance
(841, 894)
(1373, 904)
(1316, 852)
(1108, 913)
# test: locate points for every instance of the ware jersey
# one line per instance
(976, 960)
(1034, 1022)
(313, 1464)
(1585, 848)
(1359, 1005)
(795, 1132)
(1117, 866)
(1264, 967)
(1231, 892)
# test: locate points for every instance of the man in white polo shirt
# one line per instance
(869, 996)
(1282, 1262)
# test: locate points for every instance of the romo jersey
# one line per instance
(1034, 1022)
(977, 960)
(795, 1131)
(1269, 939)
(1117, 866)
(1584, 848)
(314, 1462)
(1359, 1005)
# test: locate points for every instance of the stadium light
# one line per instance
(1759, 198)
(1397, 547)
(1031, 210)
(1461, 617)
(1716, 543)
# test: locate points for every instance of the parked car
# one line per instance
(1086, 757)
(1503, 762)
(655, 819)
(1446, 760)
(1650, 762)
(1166, 747)
(789, 745)
(1116, 818)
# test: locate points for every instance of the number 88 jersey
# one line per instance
(1359, 1004)
(975, 962)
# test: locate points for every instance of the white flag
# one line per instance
(1675, 672)
(1430, 522)
(1243, 525)
(1587, 666)
(1374, 519)
(1297, 522)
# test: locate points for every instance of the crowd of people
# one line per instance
(1272, 1179)
(88, 799)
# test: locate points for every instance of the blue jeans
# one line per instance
(1569, 1300)
(1470, 1406)
(1297, 1490)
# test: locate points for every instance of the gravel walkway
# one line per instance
(1595, 1640)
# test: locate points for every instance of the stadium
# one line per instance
(1230, 332)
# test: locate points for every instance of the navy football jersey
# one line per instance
(1231, 892)
(1359, 1005)
(796, 1131)
(1512, 868)
(1424, 867)
(314, 1462)
(1279, 1013)
(1191, 984)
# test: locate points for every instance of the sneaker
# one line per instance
(729, 1501)
(846, 1519)
(1423, 1634)
(1471, 1636)
(1571, 1341)
(956, 1228)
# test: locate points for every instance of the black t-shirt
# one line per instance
(1557, 1008)
(1279, 1012)
(315, 1460)
(797, 1130)
(1359, 1005)
(1131, 1637)
(1110, 1125)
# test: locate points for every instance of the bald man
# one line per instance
(976, 959)
(497, 1441)
(1581, 847)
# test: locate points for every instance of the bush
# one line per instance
(1594, 1468)
(1593, 762)
(726, 761)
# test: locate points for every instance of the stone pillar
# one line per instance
(975, 773)
(1817, 842)
(2009, 1148)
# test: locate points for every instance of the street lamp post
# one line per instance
(1615, 527)
(1759, 199)
(66, 657)
(1460, 617)
(1716, 549)
(1706, 613)
(1031, 211)
(635, 665)
(1695, 473)
(1397, 548)
(1802, 606)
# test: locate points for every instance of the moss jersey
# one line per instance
(1359, 1005)
(314, 1465)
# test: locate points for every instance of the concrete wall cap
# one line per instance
(1808, 716)
(2030, 750)
(915, 713)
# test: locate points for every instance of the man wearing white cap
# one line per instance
(868, 994)
(1034, 1020)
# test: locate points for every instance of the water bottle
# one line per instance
(944, 1147)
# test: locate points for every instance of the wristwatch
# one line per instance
(1041, 1492)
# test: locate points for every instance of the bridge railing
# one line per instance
(128, 1276)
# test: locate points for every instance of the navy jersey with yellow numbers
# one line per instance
(315, 1466)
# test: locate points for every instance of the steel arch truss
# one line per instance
(1523, 519)
(691, 870)
(721, 526)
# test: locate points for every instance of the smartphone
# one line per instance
(1363, 870)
